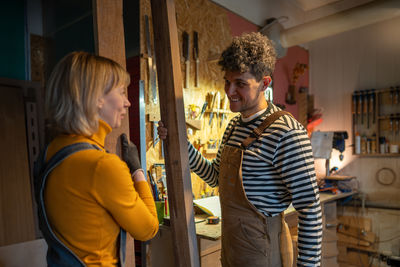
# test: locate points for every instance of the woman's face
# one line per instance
(113, 106)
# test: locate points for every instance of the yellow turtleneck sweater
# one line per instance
(90, 195)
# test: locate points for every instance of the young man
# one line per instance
(264, 164)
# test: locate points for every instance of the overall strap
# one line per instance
(42, 169)
(256, 133)
(66, 152)
(62, 255)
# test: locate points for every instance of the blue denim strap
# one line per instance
(59, 254)
(122, 248)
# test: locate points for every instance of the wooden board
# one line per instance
(110, 43)
(16, 210)
(208, 231)
(360, 222)
(357, 232)
(175, 146)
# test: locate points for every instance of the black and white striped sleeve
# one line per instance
(205, 169)
(294, 161)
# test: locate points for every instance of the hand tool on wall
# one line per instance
(186, 55)
(373, 105)
(152, 76)
(203, 109)
(363, 107)
(224, 106)
(213, 96)
(368, 106)
(391, 125)
(218, 106)
(360, 105)
(392, 95)
(354, 107)
(196, 56)
(396, 96)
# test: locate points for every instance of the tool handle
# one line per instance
(196, 82)
(187, 73)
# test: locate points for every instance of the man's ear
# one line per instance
(267, 81)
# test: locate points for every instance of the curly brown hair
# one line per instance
(250, 52)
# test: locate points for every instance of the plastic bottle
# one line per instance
(369, 145)
(382, 145)
(373, 144)
(363, 144)
(357, 149)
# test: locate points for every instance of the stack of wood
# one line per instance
(329, 248)
(356, 241)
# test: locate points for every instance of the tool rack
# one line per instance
(376, 115)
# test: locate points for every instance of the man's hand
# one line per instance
(162, 131)
(130, 155)
(320, 182)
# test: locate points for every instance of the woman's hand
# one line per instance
(162, 131)
(130, 155)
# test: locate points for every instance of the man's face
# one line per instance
(245, 94)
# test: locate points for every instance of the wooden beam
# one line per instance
(175, 146)
(110, 43)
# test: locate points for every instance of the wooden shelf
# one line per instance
(386, 117)
(218, 110)
(378, 155)
(378, 104)
(196, 124)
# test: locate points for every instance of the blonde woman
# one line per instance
(88, 198)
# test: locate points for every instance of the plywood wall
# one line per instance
(211, 23)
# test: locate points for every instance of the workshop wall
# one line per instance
(282, 77)
(356, 60)
(214, 31)
(215, 26)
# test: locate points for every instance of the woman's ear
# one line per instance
(100, 102)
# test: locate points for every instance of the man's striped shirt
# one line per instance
(277, 169)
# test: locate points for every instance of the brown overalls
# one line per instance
(249, 238)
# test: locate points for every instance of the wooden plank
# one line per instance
(208, 246)
(16, 211)
(208, 231)
(109, 30)
(352, 240)
(357, 258)
(356, 233)
(175, 146)
(361, 222)
(110, 43)
(356, 247)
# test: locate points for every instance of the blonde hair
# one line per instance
(75, 85)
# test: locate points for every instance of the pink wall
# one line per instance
(284, 66)
(283, 74)
(240, 25)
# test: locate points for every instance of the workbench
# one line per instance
(209, 236)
